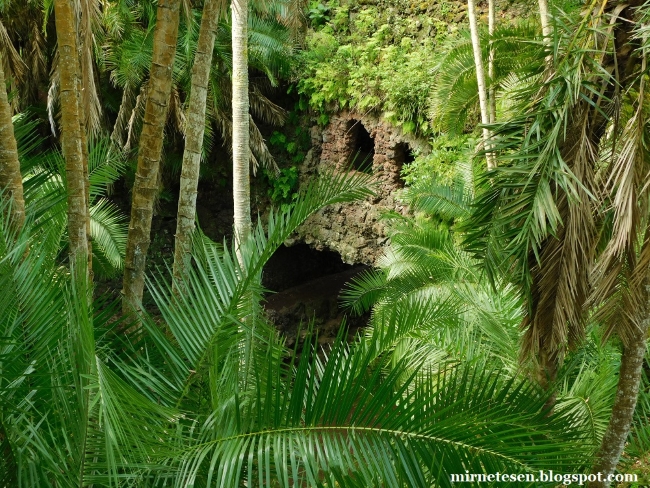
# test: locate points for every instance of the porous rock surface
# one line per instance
(355, 230)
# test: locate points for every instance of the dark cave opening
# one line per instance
(293, 266)
(308, 283)
(361, 146)
(403, 156)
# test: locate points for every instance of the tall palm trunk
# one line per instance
(627, 393)
(71, 134)
(543, 17)
(480, 78)
(194, 140)
(240, 122)
(546, 28)
(492, 107)
(11, 181)
(151, 143)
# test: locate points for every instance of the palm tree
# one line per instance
(480, 78)
(11, 180)
(515, 60)
(431, 305)
(492, 101)
(23, 50)
(194, 139)
(544, 19)
(573, 160)
(270, 50)
(72, 137)
(150, 152)
(240, 129)
(217, 401)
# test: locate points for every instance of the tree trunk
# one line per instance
(71, 135)
(492, 101)
(543, 17)
(11, 181)
(627, 393)
(145, 187)
(194, 141)
(480, 78)
(546, 29)
(240, 123)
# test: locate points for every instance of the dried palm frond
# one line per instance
(265, 109)
(135, 119)
(259, 151)
(123, 116)
(35, 57)
(53, 94)
(559, 278)
(176, 114)
(258, 146)
(620, 273)
(12, 64)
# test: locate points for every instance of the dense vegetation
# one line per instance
(508, 317)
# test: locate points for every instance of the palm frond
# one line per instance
(344, 419)
(105, 167)
(109, 230)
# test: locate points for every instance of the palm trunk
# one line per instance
(240, 123)
(86, 107)
(543, 17)
(546, 29)
(627, 393)
(194, 141)
(492, 101)
(71, 135)
(151, 143)
(480, 78)
(11, 181)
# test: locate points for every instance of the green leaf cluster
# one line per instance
(369, 64)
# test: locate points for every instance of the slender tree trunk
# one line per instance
(71, 135)
(546, 29)
(151, 143)
(543, 17)
(492, 107)
(11, 181)
(86, 107)
(240, 123)
(480, 78)
(194, 141)
(627, 393)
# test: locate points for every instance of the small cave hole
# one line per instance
(360, 145)
(403, 156)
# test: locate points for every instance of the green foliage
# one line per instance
(366, 70)
(441, 164)
(213, 397)
(377, 61)
(318, 14)
(283, 186)
(44, 183)
(290, 147)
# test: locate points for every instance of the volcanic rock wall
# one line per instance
(355, 142)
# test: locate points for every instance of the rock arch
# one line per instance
(356, 231)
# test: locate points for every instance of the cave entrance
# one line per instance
(308, 283)
(403, 156)
(360, 146)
